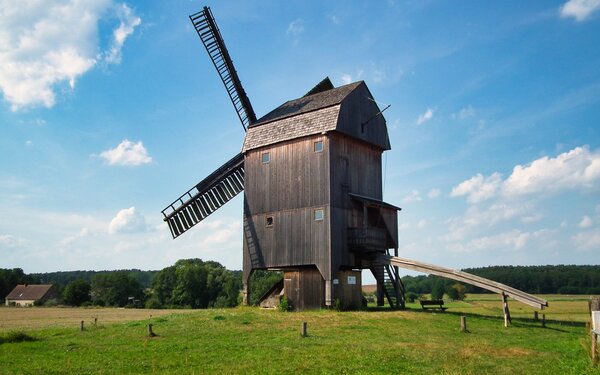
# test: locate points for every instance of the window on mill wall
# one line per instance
(266, 157)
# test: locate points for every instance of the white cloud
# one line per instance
(578, 168)
(346, 78)
(475, 217)
(414, 196)
(295, 27)
(10, 241)
(28, 142)
(464, 113)
(511, 240)
(478, 188)
(532, 218)
(433, 193)
(128, 22)
(589, 240)
(48, 44)
(127, 153)
(579, 9)
(585, 222)
(349, 78)
(422, 223)
(573, 169)
(128, 220)
(428, 115)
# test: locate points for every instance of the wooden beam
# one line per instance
(467, 278)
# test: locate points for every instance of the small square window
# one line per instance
(319, 214)
(266, 157)
(269, 221)
(318, 146)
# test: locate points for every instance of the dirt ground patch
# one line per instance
(25, 318)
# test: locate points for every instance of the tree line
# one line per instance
(560, 279)
(189, 283)
(195, 283)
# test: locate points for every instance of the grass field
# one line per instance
(251, 340)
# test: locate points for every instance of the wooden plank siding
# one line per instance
(287, 189)
(305, 289)
(355, 168)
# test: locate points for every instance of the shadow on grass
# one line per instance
(524, 321)
(15, 337)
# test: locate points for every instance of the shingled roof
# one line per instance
(29, 292)
(308, 103)
(347, 109)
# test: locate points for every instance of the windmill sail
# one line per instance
(206, 197)
(209, 34)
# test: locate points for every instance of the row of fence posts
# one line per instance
(594, 308)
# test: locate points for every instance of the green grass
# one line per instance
(250, 340)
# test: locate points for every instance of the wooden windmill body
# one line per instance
(312, 181)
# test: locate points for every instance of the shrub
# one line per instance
(52, 302)
(153, 303)
(411, 297)
(284, 304)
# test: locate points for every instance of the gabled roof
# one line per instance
(348, 109)
(29, 292)
(308, 103)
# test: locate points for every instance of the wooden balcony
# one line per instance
(367, 239)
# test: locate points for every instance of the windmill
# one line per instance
(311, 175)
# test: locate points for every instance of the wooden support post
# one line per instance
(81, 328)
(95, 321)
(543, 320)
(594, 304)
(303, 331)
(150, 332)
(463, 323)
(535, 316)
(507, 320)
(594, 347)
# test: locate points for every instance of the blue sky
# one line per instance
(111, 110)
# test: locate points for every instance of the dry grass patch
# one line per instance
(29, 318)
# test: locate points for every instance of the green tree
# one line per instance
(116, 289)
(77, 292)
(437, 291)
(195, 284)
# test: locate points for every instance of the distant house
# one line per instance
(28, 295)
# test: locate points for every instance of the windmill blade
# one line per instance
(206, 197)
(209, 34)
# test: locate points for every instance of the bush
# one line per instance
(52, 302)
(153, 303)
(284, 304)
(437, 292)
(411, 297)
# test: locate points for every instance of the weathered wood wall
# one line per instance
(304, 288)
(288, 189)
(350, 295)
(355, 168)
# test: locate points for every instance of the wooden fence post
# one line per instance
(594, 347)
(535, 316)
(150, 332)
(507, 319)
(463, 324)
(543, 320)
(303, 332)
(81, 326)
